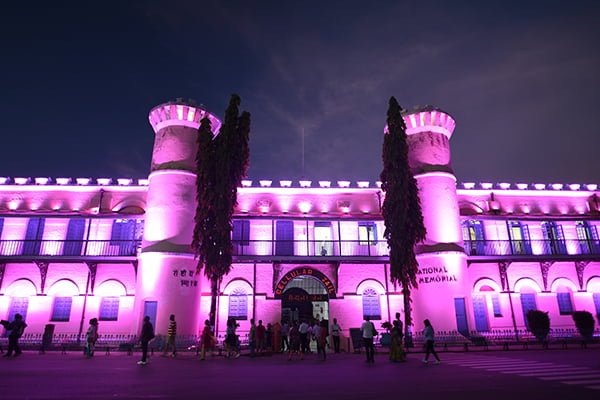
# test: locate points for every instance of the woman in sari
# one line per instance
(396, 350)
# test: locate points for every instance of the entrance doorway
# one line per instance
(304, 298)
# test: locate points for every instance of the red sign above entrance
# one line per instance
(304, 297)
(305, 272)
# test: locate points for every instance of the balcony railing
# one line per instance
(295, 248)
(68, 248)
(311, 248)
(532, 247)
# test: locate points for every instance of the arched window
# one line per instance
(61, 309)
(371, 304)
(63, 292)
(238, 304)
(110, 293)
(565, 304)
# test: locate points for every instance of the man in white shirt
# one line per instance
(368, 331)
(336, 330)
(303, 329)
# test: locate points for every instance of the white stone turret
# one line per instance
(167, 268)
(443, 285)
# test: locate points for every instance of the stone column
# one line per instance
(442, 261)
(167, 269)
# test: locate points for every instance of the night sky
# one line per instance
(522, 80)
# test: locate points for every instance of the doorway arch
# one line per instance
(304, 298)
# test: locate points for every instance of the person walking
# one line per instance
(145, 337)
(294, 345)
(276, 346)
(304, 339)
(206, 339)
(285, 332)
(400, 326)
(171, 335)
(91, 337)
(429, 334)
(252, 338)
(321, 336)
(16, 328)
(368, 332)
(260, 334)
(231, 339)
(336, 330)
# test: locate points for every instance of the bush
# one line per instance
(539, 324)
(584, 321)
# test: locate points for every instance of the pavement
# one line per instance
(489, 375)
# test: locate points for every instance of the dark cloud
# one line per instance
(520, 78)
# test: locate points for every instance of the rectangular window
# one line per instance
(74, 240)
(241, 232)
(519, 238)
(496, 305)
(460, 308)
(371, 304)
(565, 306)
(587, 234)
(109, 309)
(238, 306)
(596, 297)
(367, 233)
(33, 236)
(61, 310)
(527, 304)
(18, 305)
(473, 236)
(480, 313)
(284, 238)
(554, 238)
(125, 234)
(323, 238)
(1, 226)
(150, 308)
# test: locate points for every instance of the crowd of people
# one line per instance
(293, 338)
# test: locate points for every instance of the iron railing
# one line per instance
(69, 248)
(311, 248)
(296, 248)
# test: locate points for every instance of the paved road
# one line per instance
(483, 375)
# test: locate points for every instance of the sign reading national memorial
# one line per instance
(279, 289)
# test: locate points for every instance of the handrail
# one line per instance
(531, 247)
(297, 248)
(311, 248)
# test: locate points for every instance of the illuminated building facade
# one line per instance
(118, 249)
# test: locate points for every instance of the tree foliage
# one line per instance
(538, 323)
(221, 164)
(584, 321)
(401, 208)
